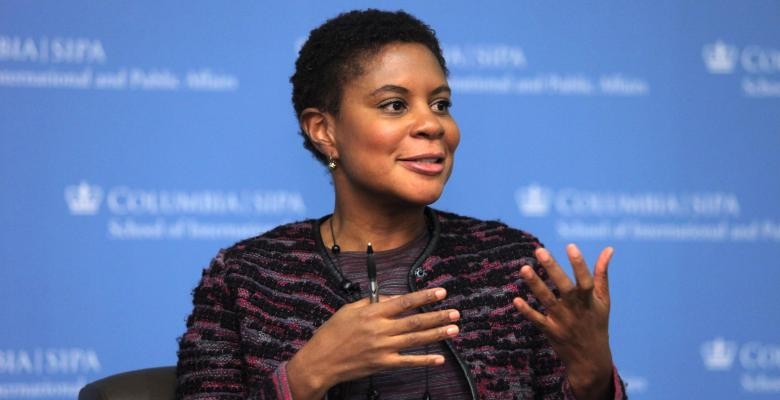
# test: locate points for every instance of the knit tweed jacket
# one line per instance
(261, 300)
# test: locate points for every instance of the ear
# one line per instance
(318, 126)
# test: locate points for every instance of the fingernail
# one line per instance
(454, 315)
(525, 271)
(542, 254)
(452, 331)
(440, 293)
(438, 361)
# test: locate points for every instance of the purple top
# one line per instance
(444, 381)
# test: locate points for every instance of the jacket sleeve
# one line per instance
(212, 362)
(618, 388)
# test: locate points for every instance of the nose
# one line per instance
(427, 125)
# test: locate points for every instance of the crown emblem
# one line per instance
(533, 200)
(719, 57)
(718, 354)
(83, 199)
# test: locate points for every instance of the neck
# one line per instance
(356, 224)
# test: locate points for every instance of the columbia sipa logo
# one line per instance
(718, 354)
(83, 199)
(533, 200)
(719, 57)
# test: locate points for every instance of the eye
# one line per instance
(393, 106)
(442, 106)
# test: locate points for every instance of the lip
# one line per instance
(420, 163)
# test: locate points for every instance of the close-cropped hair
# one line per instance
(335, 52)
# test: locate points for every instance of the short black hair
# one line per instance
(334, 52)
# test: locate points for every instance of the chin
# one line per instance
(425, 198)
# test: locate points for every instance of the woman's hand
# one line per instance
(577, 322)
(361, 339)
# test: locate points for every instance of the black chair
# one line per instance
(143, 384)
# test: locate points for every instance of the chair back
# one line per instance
(143, 384)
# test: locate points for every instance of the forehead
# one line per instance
(399, 64)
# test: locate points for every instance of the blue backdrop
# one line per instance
(139, 138)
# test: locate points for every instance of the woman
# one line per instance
(472, 309)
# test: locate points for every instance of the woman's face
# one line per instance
(395, 138)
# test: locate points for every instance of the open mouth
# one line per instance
(424, 165)
(437, 160)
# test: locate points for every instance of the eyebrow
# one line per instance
(403, 90)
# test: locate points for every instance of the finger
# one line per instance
(524, 308)
(581, 273)
(421, 338)
(601, 277)
(423, 321)
(538, 287)
(554, 270)
(411, 301)
(414, 360)
(357, 304)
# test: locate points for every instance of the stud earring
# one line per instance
(331, 163)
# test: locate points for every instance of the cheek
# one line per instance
(381, 139)
(453, 139)
(369, 143)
